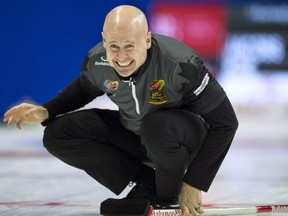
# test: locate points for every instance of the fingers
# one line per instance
(9, 114)
(5, 119)
(197, 210)
(18, 124)
(25, 113)
(190, 200)
(14, 114)
(185, 211)
(200, 210)
(194, 210)
(10, 121)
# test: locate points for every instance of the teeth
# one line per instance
(123, 64)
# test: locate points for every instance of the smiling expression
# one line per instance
(126, 39)
(126, 53)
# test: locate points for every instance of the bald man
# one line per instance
(174, 126)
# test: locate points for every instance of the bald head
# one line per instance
(125, 19)
(126, 39)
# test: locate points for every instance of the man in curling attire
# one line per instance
(172, 114)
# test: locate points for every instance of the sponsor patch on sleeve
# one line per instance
(203, 85)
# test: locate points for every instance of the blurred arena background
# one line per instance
(244, 43)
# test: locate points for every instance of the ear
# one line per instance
(104, 41)
(148, 40)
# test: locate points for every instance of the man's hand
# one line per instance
(25, 113)
(190, 200)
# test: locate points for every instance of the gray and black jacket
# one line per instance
(173, 77)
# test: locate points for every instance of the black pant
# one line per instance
(96, 142)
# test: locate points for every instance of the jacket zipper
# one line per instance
(132, 84)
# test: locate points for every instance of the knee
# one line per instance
(172, 128)
(152, 121)
(154, 127)
(48, 138)
(52, 134)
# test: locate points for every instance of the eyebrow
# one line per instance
(111, 42)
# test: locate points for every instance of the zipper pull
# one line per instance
(133, 81)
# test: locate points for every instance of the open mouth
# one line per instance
(124, 64)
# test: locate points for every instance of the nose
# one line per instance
(121, 55)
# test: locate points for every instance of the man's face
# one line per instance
(126, 52)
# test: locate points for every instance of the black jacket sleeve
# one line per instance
(223, 124)
(77, 94)
(71, 98)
